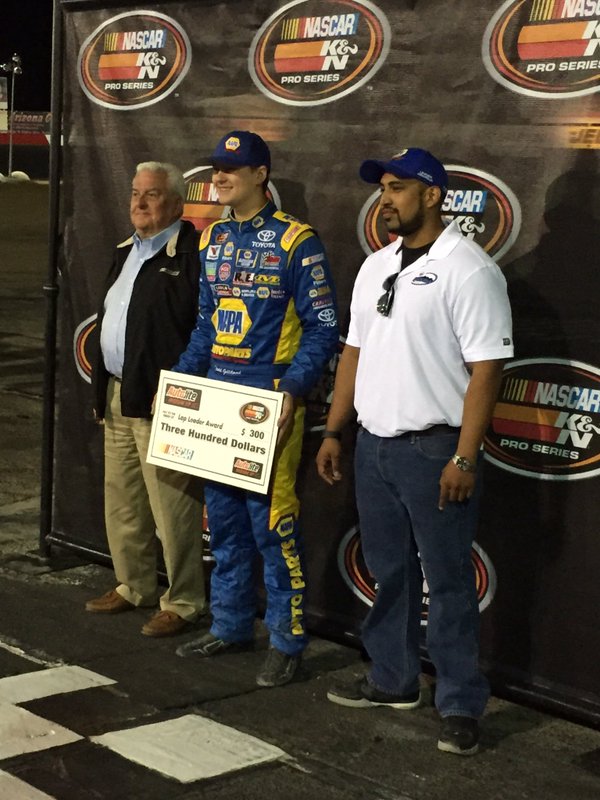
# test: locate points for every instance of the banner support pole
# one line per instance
(50, 288)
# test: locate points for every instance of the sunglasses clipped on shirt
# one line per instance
(386, 301)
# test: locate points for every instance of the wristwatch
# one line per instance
(464, 464)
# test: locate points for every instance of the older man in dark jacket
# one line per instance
(148, 310)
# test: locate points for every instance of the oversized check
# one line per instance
(216, 430)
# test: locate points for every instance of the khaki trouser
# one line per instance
(141, 502)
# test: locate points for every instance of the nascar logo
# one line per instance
(133, 60)
(483, 206)
(202, 205)
(80, 347)
(125, 66)
(311, 52)
(314, 57)
(546, 423)
(254, 412)
(175, 450)
(545, 48)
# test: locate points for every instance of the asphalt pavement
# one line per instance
(92, 710)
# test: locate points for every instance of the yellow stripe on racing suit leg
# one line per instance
(284, 501)
(284, 517)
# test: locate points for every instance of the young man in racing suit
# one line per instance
(267, 319)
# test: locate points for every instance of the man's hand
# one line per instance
(328, 461)
(456, 486)
(286, 418)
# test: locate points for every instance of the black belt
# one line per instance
(435, 430)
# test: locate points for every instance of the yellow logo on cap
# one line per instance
(232, 143)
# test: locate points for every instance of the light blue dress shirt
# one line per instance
(118, 297)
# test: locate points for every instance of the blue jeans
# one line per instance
(405, 536)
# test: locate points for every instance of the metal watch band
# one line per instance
(464, 464)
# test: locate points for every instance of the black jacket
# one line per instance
(160, 318)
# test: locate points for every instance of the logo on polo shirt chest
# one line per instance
(424, 279)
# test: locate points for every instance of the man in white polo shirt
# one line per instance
(430, 329)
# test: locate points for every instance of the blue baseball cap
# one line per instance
(242, 149)
(412, 163)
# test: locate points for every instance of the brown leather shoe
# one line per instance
(164, 623)
(109, 603)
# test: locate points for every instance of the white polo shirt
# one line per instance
(450, 307)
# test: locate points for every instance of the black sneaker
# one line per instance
(362, 694)
(278, 668)
(210, 645)
(459, 735)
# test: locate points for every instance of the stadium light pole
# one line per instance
(13, 66)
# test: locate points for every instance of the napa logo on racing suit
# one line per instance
(546, 424)
(311, 52)
(133, 60)
(202, 205)
(231, 321)
(81, 346)
(484, 207)
(545, 48)
(359, 580)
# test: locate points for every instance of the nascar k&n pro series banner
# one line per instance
(505, 93)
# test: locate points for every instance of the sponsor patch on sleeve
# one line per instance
(306, 262)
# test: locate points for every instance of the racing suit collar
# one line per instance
(258, 220)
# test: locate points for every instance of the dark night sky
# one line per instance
(26, 29)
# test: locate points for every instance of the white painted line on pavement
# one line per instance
(18, 651)
(46, 682)
(24, 732)
(15, 789)
(189, 748)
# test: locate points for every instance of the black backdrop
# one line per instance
(505, 93)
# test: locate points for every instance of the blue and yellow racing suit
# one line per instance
(267, 319)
